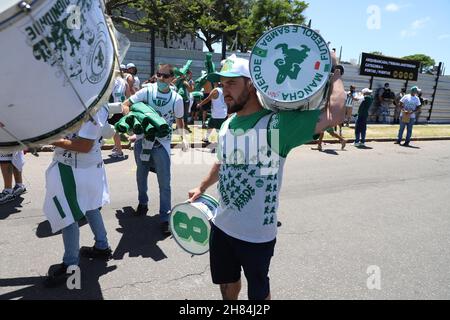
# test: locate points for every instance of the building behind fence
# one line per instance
(139, 54)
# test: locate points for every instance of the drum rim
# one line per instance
(309, 98)
(15, 15)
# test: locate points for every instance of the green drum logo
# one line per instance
(291, 64)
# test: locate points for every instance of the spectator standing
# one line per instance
(361, 121)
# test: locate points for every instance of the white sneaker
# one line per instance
(118, 155)
(357, 144)
(18, 190)
(6, 196)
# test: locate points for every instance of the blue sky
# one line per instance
(396, 28)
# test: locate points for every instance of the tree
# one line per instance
(265, 15)
(427, 62)
(163, 16)
(208, 20)
(377, 53)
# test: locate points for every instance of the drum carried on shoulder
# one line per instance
(57, 65)
(190, 224)
(290, 67)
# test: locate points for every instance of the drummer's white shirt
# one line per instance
(89, 131)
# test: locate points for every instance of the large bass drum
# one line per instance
(58, 62)
(290, 67)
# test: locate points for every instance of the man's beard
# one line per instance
(235, 108)
(238, 106)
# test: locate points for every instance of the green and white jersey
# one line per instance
(168, 105)
(252, 150)
(91, 131)
(76, 182)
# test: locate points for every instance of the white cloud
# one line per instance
(444, 36)
(414, 27)
(392, 7)
(395, 7)
(420, 24)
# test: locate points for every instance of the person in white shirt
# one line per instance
(349, 101)
(155, 155)
(76, 187)
(218, 111)
(131, 69)
(121, 91)
(410, 105)
(12, 165)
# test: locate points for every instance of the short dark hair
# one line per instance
(170, 66)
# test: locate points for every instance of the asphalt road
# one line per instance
(343, 213)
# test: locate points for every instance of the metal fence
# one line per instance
(139, 54)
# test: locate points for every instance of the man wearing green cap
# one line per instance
(253, 146)
(410, 105)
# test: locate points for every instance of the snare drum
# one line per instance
(290, 67)
(190, 224)
(57, 65)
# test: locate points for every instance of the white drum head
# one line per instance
(290, 64)
(7, 4)
(54, 71)
(190, 224)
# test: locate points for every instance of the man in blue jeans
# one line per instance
(410, 105)
(76, 187)
(155, 155)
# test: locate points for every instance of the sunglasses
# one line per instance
(163, 75)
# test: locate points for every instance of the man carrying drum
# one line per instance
(245, 227)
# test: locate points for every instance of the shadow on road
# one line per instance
(10, 208)
(115, 160)
(364, 148)
(140, 236)
(44, 229)
(91, 271)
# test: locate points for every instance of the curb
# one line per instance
(204, 145)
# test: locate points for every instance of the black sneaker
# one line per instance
(406, 144)
(94, 253)
(165, 229)
(141, 210)
(397, 142)
(57, 276)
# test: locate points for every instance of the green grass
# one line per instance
(373, 132)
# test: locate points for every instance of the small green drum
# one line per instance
(190, 224)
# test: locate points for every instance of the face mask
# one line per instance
(162, 86)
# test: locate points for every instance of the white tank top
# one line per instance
(119, 89)
(218, 107)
